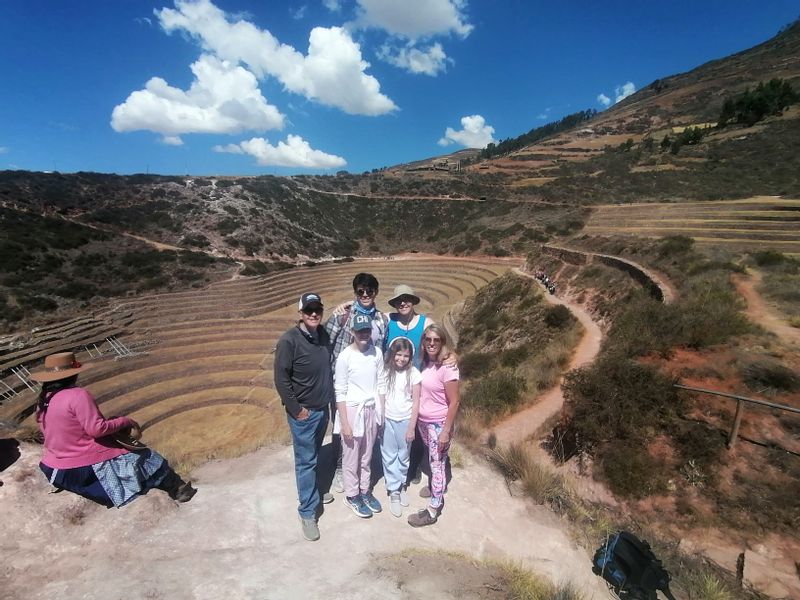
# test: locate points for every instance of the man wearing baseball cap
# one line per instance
(304, 381)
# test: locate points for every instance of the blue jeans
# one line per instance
(307, 439)
(395, 451)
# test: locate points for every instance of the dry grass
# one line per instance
(525, 585)
(546, 367)
(538, 481)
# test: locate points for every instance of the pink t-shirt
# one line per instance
(70, 425)
(433, 401)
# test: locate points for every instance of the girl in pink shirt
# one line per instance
(80, 454)
(438, 406)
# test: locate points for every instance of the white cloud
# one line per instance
(223, 98)
(4, 149)
(295, 152)
(545, 114)
(172, 140)
(332, 5)
(475, 133)
(332, 73)
(623, 91)
(414, 19)
(603, 99)
(429, 61)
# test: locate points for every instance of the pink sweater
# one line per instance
(70, 425)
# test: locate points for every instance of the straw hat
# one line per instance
(130, 438)
(59, 366)
(403, 290)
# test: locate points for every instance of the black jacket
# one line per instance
(303, 375)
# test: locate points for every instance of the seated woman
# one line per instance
(80, 453)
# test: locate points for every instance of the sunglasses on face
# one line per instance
(404, 300)
(432, 341)
(313, 310)
(365, 292)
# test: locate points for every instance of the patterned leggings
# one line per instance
(429, 433)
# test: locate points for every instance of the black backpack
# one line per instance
(630, 567)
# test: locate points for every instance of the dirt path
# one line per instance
(239, 538)
(762, 314)
(525, 423)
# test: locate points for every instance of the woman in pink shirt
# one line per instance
(438, 405)
(80, 454)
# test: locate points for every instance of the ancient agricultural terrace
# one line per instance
(200, 381)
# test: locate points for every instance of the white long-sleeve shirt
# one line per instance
(356, 382)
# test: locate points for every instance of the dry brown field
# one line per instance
(759, 223)
(204, 387)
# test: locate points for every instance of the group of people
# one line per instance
(381, 377)
(546, 281)
(385, 379)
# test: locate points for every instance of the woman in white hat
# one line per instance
(81, 453)
(406, 322)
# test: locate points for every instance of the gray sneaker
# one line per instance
(327, 498)
(404, 501)
(310, 529)
(395, 505)
(338, 483)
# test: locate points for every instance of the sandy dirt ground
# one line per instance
(239, 538)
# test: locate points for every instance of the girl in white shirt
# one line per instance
(355, 383)
(398, 390)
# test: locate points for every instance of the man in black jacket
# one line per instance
(304, 381)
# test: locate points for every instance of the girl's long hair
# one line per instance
(444, 349)
(398, 344)
(49, 388)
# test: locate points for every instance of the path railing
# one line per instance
(740, 400)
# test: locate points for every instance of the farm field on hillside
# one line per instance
(204, 388)
(749, 224)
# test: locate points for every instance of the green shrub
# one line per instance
(475, 364)
(674, 244)
(496, 393)
(767, 373)
(768, 258)
(514, 356)
(558, 316)
(631, 472)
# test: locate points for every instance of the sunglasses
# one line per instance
(313, 310)
(365, 292)
(432, 341)
(404, 300)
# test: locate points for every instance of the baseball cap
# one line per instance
(362, 322)
(309, 298)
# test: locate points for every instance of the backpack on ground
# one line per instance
(630, 567)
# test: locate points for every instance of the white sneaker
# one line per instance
(395, 504)
(403, 497)
(338, 482)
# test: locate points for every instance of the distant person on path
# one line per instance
(356, 382)
(399, 390)
(438, 405)
(304, 382)
(80, 452)
(340, 329)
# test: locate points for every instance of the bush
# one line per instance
(769, 373)
(631, 472)
(495, 394)
(475, 364)
(768, 258)
(558, 316)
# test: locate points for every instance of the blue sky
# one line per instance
(235, 87)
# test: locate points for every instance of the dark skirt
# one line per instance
(113, 482)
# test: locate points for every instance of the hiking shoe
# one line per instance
(371, 502)
(310, 529)
(421, 518)
(425, 492)
(404, 501)
(395, 506)
(338, 482)
(356, 504)
(327, 498)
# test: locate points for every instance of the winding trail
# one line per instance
(760, 312)
(525, 423)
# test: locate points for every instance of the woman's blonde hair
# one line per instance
(398, 344)
(444, 349)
